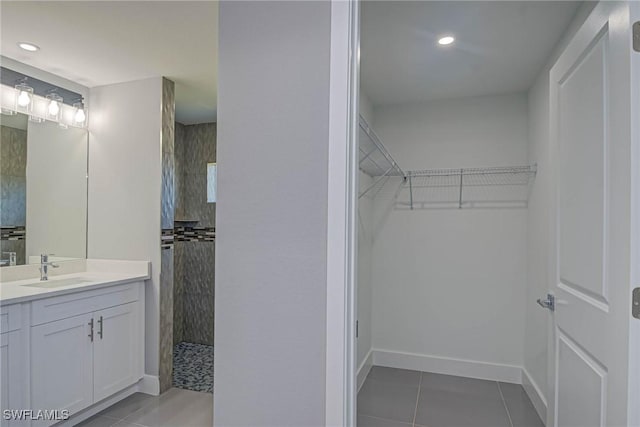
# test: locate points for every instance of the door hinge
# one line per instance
(635, 303)
(357, 324)
(636, 36)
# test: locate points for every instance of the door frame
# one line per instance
(634, 327)
(340, 391)
(599, 11)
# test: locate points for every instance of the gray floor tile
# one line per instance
(459, 384)
(127, 406)
(365, 421)
(394, 375)
(438, 408)
(521, 410)
(387, 400)
(98, 421)
(176, 407)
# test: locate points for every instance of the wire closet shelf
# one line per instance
(469, 187)
(374, 160)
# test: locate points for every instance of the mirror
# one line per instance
(43, 183)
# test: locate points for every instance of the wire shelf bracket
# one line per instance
(374, 159)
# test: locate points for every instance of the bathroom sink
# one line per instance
(50, 284)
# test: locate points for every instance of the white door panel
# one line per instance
(582, 385)
(591, 259)
(116, 349)
(582, 111)
(62, 365)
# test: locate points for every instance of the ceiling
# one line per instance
(97, 43)
(500, 47)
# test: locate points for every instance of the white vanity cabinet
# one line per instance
(13, 367)
(86, 346)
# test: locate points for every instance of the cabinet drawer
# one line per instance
(65, 306)
(10, 318)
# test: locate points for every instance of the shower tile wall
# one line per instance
(167, 250)
(13, 190)
(194, 260)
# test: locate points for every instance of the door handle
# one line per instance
(91, 333)
(549, 302)
(100, 330)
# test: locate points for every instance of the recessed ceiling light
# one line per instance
(30, 47)
(446, 40)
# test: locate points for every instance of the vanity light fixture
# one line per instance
(446, 40)
(24, 97)
(29, 47)
(79, 115)
(54, 107)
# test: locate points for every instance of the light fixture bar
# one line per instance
(41, 107)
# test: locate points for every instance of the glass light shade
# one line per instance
(54, 107)
(79, 115)
(24, 98)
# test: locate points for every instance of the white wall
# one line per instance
(125, 186)
(366, 108)
(448, 284)
(536, 330)
(271, 242)
(56, 191)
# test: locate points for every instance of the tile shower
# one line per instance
(194, 251)
(13, 163)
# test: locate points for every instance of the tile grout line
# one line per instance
(415, 412)
(504, 402)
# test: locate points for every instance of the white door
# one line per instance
(594, 136)
(62, 365)
(12, 379)
(117, 349)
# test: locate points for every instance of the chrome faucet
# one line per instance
(11, 261)
(44, 266)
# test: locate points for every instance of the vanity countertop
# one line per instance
(96, 274)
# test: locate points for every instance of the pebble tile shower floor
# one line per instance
(193, 367)
(402, 398)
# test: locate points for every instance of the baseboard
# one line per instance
(149, 384)
(535, 395)
(448, 366)
(364, 368)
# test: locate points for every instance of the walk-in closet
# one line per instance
(482, 154)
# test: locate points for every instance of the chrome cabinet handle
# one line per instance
(549, 302)
(91, 333)
(100, 330)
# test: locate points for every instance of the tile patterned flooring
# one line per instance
(175, 408)
(403, 398)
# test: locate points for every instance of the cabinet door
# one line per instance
(62, 365)
(12, 377)
(117, 349)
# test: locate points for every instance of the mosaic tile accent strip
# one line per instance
(193, 367)
(13, 233)
(195, 234)
(166, 238)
